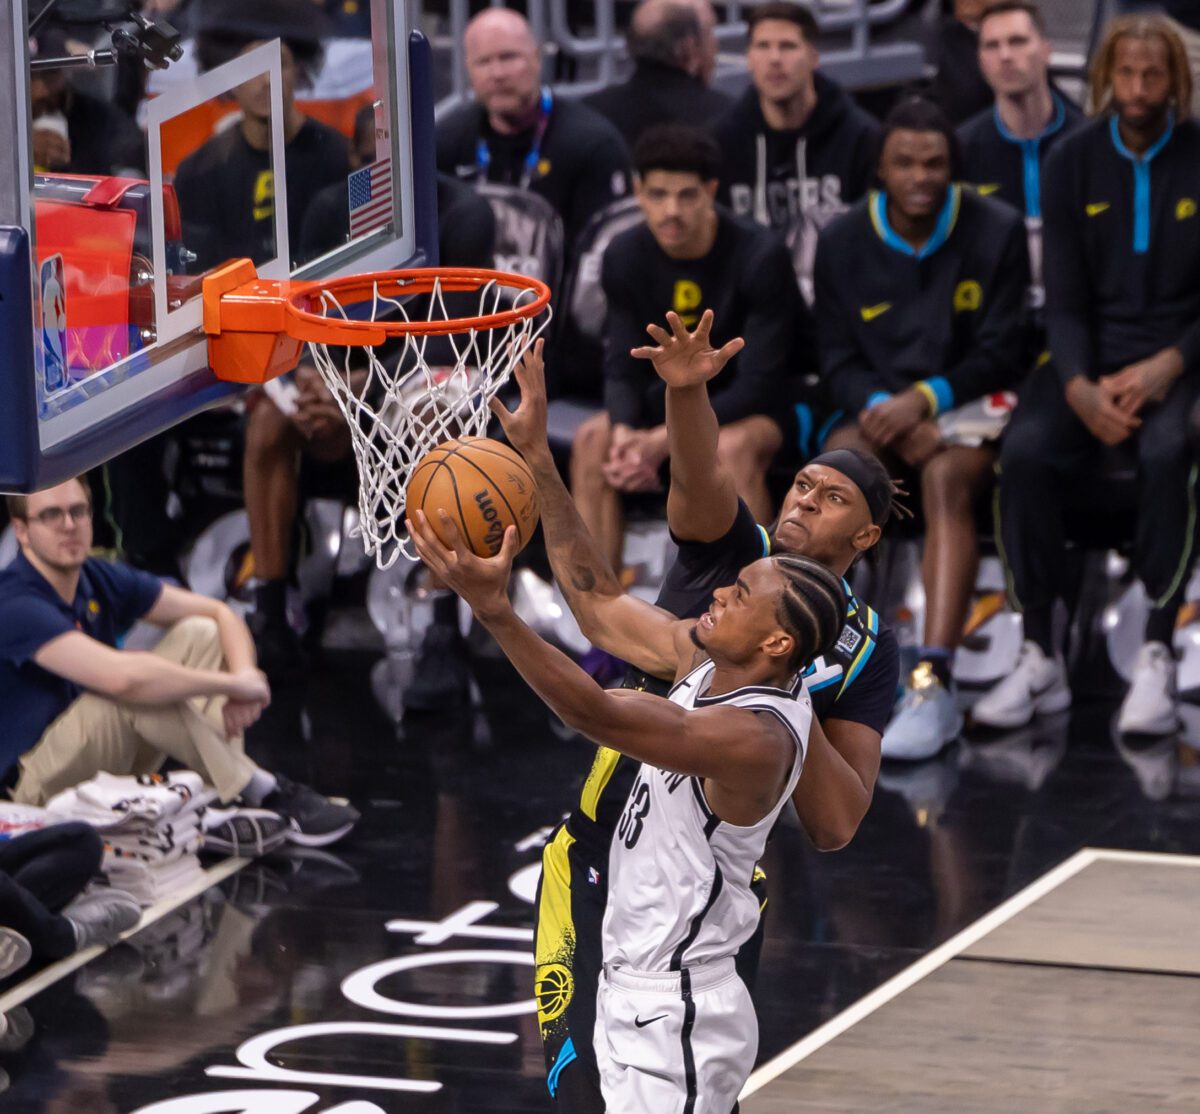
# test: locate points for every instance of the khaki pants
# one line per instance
(98, 734)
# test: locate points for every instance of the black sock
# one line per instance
(938, 658)
(445, 610)
(270, 600)
(1160, 626)
(1039, 628)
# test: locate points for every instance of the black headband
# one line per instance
(867, 474)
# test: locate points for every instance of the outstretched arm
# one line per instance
(835, 790)
(702, 502)
(629, 628)
(729, 745)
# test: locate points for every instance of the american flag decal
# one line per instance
(370, 195)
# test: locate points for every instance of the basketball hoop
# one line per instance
(435, 386)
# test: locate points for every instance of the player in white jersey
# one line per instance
(675, 1027)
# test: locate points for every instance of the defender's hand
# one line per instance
(525, 427)
(684, 359)
(481, 581)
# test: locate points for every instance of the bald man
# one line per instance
(674, 51)
(517, 132)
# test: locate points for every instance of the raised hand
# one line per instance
(525, 427)
(684, 359)
(481, 581)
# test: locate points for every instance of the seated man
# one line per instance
(1005, 146)
(1123, 317)
(227, 188)
(518, 133)
(689, 256)
(794, 144)
(674, 52)
(74, 132)
(921, 295)
(75, 705)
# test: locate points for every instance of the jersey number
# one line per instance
(629, 831)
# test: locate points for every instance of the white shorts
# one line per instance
(674, 1043)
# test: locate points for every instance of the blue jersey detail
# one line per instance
(1141, 181)
(1031, 154)
(941, 231)
(565, 1056)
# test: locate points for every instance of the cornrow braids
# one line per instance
(812, 607)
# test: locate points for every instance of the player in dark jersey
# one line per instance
(833, 513)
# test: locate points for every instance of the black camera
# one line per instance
(153, 41)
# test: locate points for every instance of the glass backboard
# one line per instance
(104, 245)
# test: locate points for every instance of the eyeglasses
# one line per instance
(55, 516)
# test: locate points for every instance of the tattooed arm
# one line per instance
(635, 631)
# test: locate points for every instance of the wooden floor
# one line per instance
(1086, 1000)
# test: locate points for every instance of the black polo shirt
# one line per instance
(109, 599)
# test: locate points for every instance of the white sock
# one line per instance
(260, 787)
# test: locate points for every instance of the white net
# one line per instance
(422, 390)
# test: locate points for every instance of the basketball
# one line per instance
(482, 485)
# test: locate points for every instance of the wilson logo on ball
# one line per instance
(493, 538)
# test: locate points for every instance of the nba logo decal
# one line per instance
(593, 876)
(54, 324)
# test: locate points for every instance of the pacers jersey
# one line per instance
(837, 684)
(679, 877)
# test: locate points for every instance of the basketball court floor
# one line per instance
(965, 953)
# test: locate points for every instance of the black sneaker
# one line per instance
(441, 679)
(316, 821)
(244, 833)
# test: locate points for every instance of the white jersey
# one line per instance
(679, 877)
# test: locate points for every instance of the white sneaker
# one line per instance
(1150, 706)
(1037, 686)
(99, 916)
(927, 719)
(15, 951)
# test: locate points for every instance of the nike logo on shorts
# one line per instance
(650, 1020)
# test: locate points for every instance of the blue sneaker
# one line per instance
(925, 722)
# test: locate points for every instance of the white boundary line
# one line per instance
(50, 975)
(1151, 858)
(941, 955)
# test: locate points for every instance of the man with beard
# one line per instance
(1122, 243)
(795, 144)
(921, 325)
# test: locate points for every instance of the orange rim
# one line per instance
(307, 323)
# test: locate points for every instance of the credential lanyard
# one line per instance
(483, 156)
